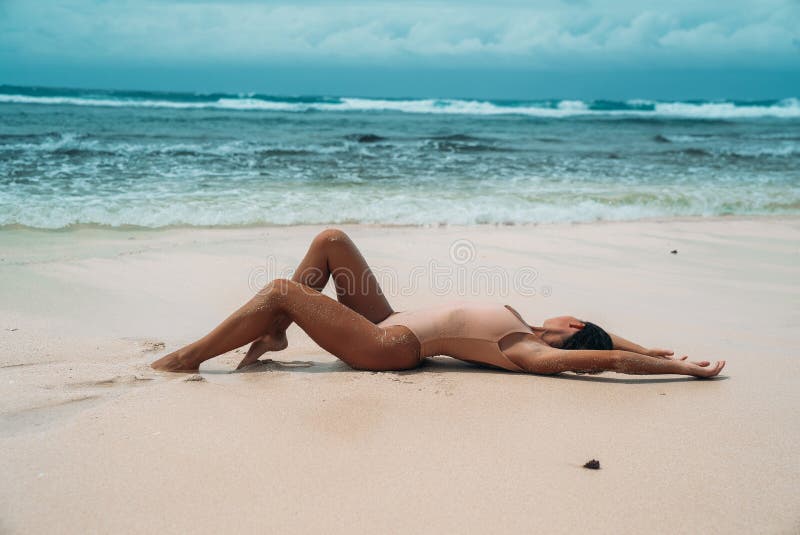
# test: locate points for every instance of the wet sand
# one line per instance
(93, 440)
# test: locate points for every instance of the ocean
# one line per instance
(72, 157)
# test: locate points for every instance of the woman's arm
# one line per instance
(551, 361)
(626, 345)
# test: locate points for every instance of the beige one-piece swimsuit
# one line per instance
(466, 331)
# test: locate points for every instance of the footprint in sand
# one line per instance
(401, 380)
(279, 364)
(150, 346)
(195, 378)
(41, 417)
(293, 363)
(129, 380)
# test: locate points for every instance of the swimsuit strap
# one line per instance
(526, 329)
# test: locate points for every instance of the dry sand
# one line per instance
(93, 440)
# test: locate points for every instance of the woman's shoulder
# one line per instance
(523, 348)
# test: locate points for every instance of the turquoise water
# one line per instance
(70, 157)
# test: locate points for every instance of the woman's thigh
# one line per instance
(333, 254)
(345, 333)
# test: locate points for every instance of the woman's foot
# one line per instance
(268, 342)
(177, 361)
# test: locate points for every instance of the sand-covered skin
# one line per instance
(93, 440)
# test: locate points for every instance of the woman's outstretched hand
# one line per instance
(697, 368)
(704, 368)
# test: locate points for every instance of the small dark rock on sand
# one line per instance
(594, 464)
(674, 251)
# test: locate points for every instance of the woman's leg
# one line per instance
(332, 254)
(335, 327)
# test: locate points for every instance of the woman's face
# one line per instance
(558, 330)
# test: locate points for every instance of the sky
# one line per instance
(503, 49)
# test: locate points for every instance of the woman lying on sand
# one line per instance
(362, 329)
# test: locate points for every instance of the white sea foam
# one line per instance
(784, 149)
(787, 108)
(336, 206)
(71, 141)
(103, 102)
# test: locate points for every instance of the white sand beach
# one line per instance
(94, 441)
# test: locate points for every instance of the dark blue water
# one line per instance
(156, 159)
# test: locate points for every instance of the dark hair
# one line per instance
(590, 337)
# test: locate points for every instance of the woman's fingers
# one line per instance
(717, 368)
(708, 371)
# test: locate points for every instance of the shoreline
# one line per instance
(256, 226)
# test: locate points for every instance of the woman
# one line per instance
(362, 329)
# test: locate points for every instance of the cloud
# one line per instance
(551, 35)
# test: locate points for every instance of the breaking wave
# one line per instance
(787, 108)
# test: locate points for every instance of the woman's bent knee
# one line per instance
(331, 236)
(276, 290)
